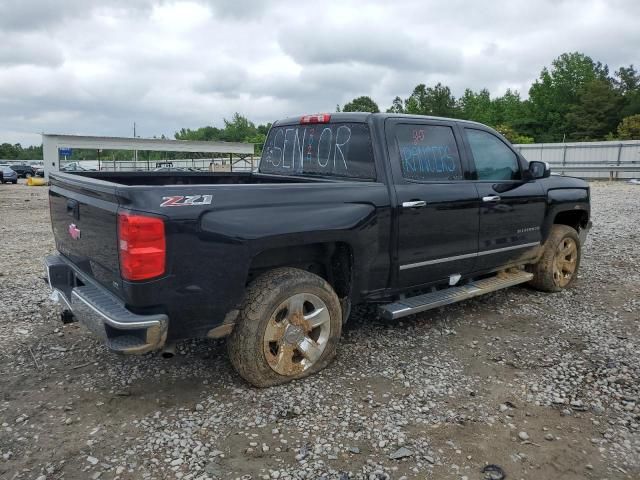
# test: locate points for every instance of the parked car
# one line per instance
(8, 175)
(36, 166)
(23, 171)
(407, 213)
(72, 167)
(39, 170)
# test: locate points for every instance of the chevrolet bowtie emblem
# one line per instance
(74, 231)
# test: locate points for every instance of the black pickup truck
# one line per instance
(405, 212)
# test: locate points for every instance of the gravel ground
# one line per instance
(544, 386)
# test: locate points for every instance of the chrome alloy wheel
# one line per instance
(297, 334)
(565, 261)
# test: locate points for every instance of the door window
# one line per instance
(428, 153)
(493, 159)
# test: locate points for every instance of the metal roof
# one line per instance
(51, 143)
(154, 144)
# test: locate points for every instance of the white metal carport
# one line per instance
(51, 143)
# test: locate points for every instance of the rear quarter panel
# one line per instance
(210, 247)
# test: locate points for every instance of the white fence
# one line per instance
(618, 159)
(204, 164)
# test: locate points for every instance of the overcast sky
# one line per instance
(96, 66)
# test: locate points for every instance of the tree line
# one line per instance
(575, 99)
(18, 152)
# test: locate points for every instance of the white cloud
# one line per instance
(96, 66)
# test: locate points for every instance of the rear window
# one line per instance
(333, 149)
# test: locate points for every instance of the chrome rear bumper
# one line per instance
(101, 312)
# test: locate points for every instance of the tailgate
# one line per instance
(84, 221)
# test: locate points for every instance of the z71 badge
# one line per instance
(186, 200)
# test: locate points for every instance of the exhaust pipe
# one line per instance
(169, 350)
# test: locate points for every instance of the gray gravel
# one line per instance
(546, 386)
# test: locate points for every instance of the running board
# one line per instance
(427, 301)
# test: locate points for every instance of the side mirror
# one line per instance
(539, 169)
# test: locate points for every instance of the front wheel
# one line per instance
(289, 328)
(557, 269)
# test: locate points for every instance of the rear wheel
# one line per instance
(289, 328)
(557, 269)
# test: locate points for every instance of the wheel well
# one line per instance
(576, 219)
(331, 261)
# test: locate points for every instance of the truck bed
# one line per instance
(213, 242)
(192, 178)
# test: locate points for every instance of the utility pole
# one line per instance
(135, 152)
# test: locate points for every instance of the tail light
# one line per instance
(317, 118)
(142, 246)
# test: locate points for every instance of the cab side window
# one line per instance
(493, 159)
(428, 153)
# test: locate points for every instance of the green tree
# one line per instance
(627, 79)
(596, 113)
(264, 129)
(397, 106)
(629, 128)
(202, 134)
(509, 109)
(557, 90)
(627, 82)
(361, 104)
(476, 106)
(437, 101)
(10, 152)
(507, 113)
(32, 152)
(238, 129)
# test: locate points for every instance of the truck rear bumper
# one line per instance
(101, 312)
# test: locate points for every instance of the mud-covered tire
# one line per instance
(248, 343)
(551, 273)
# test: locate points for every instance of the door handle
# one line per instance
(414, 204)
(491, 198)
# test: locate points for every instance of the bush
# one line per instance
(629, 128)
(514, 137)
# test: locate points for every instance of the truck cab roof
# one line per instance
(364, 117)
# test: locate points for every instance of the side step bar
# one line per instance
(427, 301)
